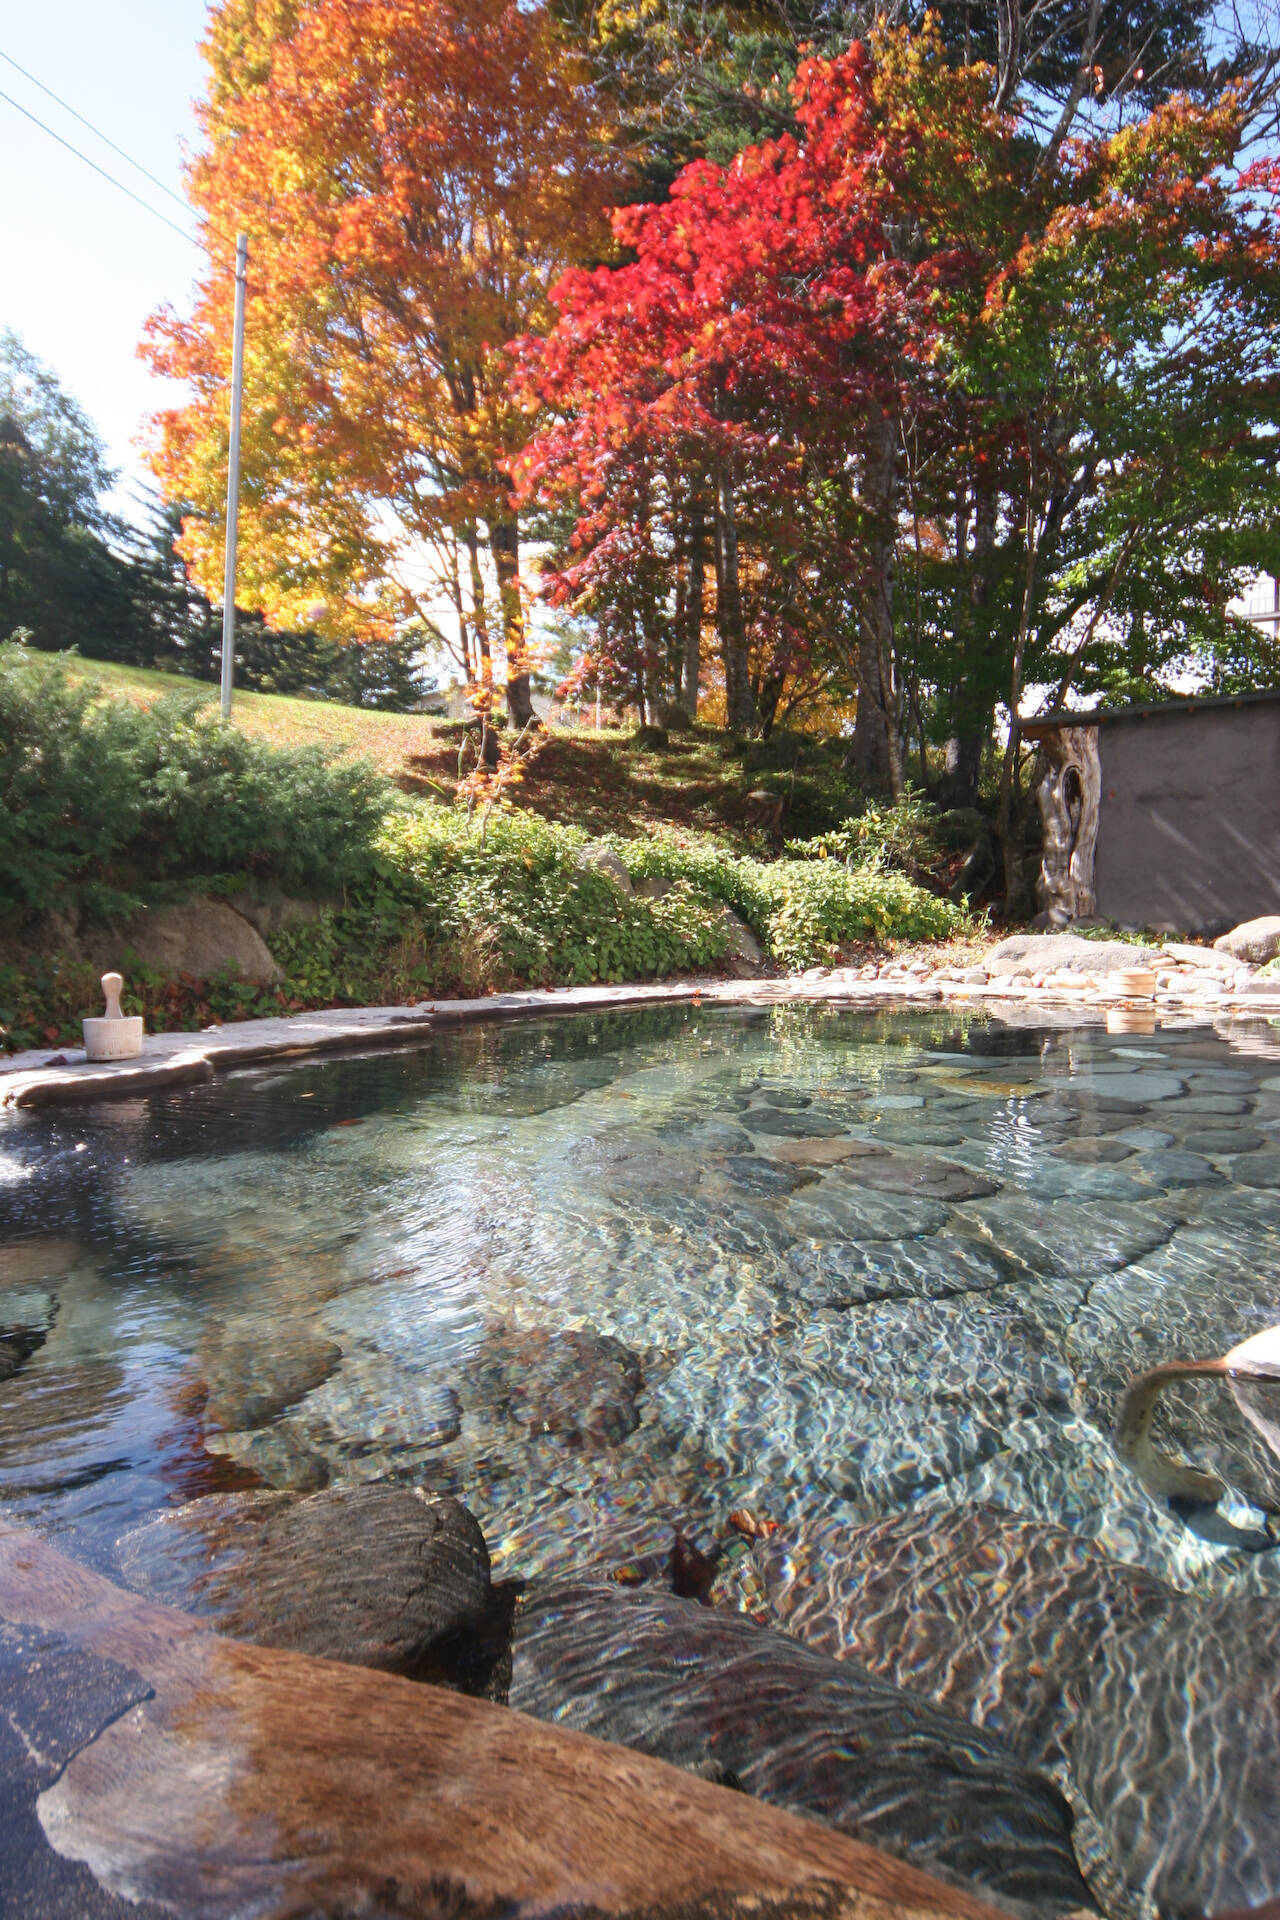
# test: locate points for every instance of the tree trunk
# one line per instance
(695, 596)
(739, 703)
(504, 545)
(490, 752)
(961, 766)
(972, 699)
(1015, 805)
(877, 734)
(767, 699)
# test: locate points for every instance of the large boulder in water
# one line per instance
(727, 1699)
(979, 1611)
(1177, 1755)
(376, 1576)
(1160, 1711)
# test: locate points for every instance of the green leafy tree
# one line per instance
(62, 578)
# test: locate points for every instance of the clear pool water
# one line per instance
(610, 1273)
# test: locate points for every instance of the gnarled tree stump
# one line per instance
(1069, 796)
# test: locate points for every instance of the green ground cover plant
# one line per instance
(803, 910)
(108, 803)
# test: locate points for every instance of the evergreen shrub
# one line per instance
(105, 804)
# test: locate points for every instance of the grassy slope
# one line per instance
(596, 781)
(390, 739)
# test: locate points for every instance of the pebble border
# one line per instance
(1187, 994)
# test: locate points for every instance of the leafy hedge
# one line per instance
(442, 909)
(803, 910)
(107, 804)
(445, 910)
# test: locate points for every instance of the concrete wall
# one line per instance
(1189, 828)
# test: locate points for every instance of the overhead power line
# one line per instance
(110, 177)
(97, 132)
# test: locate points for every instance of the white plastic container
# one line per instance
(113, 1035)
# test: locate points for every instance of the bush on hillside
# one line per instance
(445, 909)
(437, 908)
(802, 910)
(106, 804)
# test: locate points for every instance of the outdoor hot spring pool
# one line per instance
(612, 1276)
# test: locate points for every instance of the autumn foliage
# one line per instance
(739, 373)
(413, 176)
(938, 398)
(946, 397)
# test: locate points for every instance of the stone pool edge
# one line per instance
(60, 1075)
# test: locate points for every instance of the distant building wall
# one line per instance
(1189, 820)
(1260, 602)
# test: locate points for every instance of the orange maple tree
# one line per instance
(413, 176)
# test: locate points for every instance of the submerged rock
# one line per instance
(982, 1612)
(1136, 1090)
(819, 1153)
(1159, 1708)
(742, 1225)
(1102, 1151)
(881, 1402)
(1180, 1169)
(1073, 1238)
(843, 1275)
(374, 1407)
(841, 1211)
(377, 1576)
(753, 1174)
(934, 1179)
(276, 1455)
(906, 1131)
(693, 1138)
(729, 1700)
(26, 1315)
(1052, 1179)
(789, 1124)
(578, 1387)
(253, 1377)
(1257, 1170)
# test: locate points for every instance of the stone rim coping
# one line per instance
(55, 1076)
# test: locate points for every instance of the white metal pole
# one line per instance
(233, 479)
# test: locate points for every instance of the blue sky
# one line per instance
(80, 266)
